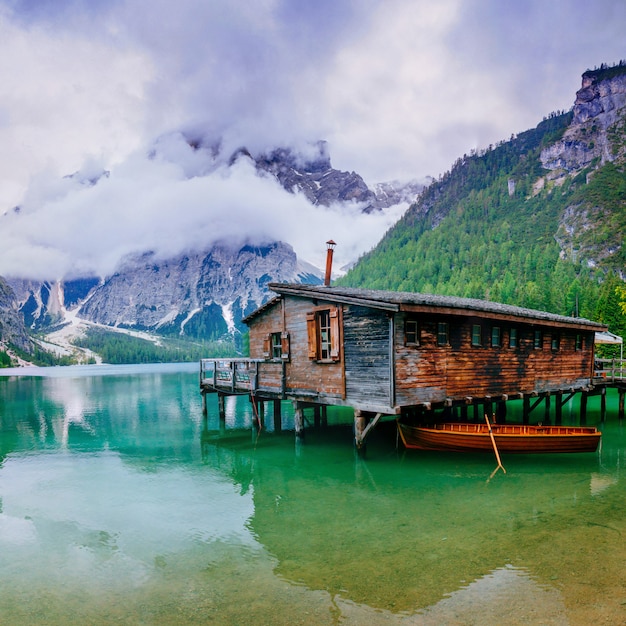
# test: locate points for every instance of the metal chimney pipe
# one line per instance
(330, 246)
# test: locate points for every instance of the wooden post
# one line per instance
(501, 412)
(603, 404)
(205, 410)
(261, 406)
(620, 408)
(583, 408)
(360, 422)
(526, 409)
(221, 409)
(489, 408)
(278, 424)
(316, 416)
(324, 415)
(298, 419)
(558, 418)
(477, 416)
(546, 415)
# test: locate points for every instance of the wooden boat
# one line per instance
(467, 437)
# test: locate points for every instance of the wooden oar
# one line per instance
(495, 447)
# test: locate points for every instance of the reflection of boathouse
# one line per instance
(388, 353)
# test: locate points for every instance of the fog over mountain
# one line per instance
(179, 197)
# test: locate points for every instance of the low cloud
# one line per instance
(176, 200)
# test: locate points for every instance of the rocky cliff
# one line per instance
(596, 133)
(322, 184)
(200, 295)
(12, 329)
(592, 155)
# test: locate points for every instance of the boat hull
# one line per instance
(509, 438)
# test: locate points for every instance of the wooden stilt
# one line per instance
(583, 408)
(603, 404)
(316, 416)
(489, 408)
(526, 409)
(558, 408)
(546, 415)
(464, 412)
(221, 409)
(298, 418)
(501, 412)
(360, 423)
(262, 414)
(324, 415)
(278, 424)
(620, 407)
(205, 410)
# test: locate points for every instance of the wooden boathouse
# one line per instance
(387, 353)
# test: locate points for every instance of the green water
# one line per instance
(119, 504)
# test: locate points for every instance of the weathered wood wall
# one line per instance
(431, 373)
(367, 356)
(302, 375)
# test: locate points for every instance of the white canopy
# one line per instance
(607, 337)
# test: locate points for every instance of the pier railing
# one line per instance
(242, 376)
(610, 370)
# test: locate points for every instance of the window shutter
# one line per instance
(284, 346)
(266, 346)
(334, 334)
(312, 334)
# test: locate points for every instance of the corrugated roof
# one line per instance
(397, 300)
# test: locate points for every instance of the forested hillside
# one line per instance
(502, 227)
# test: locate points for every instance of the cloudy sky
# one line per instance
(398, 88)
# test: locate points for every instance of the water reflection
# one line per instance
(119, 503)
(403, 537)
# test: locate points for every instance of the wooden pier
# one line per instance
(386, 354)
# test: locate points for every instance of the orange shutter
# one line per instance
(312, 334)
(284, 346)
(266, 347)
(334, 334)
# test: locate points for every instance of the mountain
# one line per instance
(197, 295)
(535, 221)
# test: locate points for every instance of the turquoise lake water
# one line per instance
(120, 504)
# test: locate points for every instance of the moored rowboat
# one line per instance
(509, 437)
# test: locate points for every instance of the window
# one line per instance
(555, 342)
(411, 333)
(276, 346)
(443, 333)
(513, 338)
(538, 341)
(477, 335)
(496, 338)
(579, 342)
(323, 325)
(323, 334)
